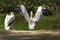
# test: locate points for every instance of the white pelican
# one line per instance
(31, 20)
(9, 20)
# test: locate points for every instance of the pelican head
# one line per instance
(12, 13)
(31, 14)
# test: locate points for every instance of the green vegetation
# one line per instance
(44, 23)
(6, 5)
(20, 24)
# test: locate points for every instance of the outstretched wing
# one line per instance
(38, 14)
(24, 12)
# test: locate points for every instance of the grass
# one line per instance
(48, 23)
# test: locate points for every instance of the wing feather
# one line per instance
(24, 11)
(38, 14)
(9, 19)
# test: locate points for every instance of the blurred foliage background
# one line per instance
(45, 22)
(6, 5)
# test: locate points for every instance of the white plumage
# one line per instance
(9, 20)
(31, 20)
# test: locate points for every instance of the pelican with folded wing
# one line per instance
(9, 20)
(30, 19)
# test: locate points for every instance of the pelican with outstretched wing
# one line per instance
(31, 20)
(9, 20)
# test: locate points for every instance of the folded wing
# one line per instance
(11, 19)
(8, 21)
